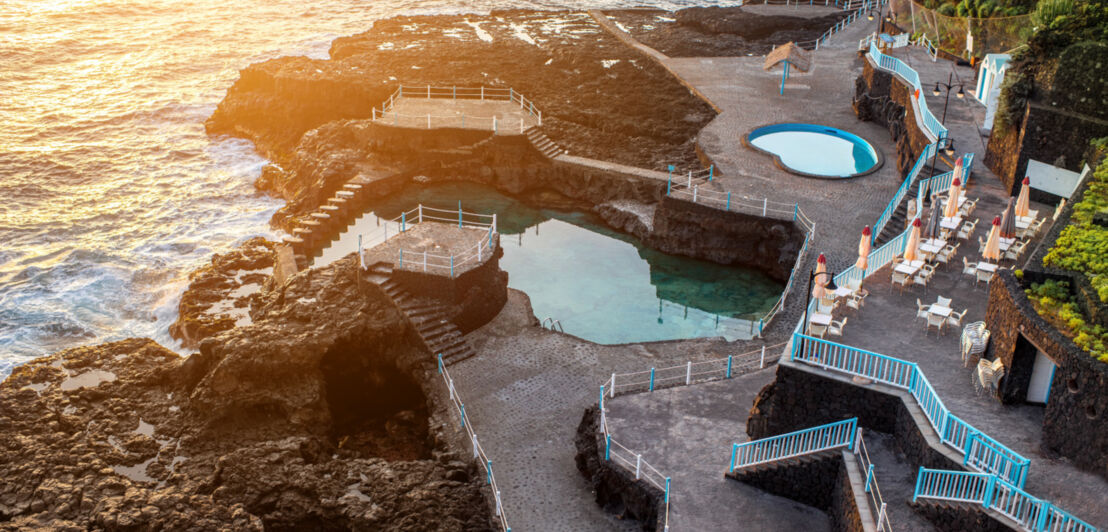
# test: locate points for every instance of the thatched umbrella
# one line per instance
(992, 244)
(788, 54)
(911, 250)
(955, 191)
(818, 291)
(1008, 220)
(1023, 203)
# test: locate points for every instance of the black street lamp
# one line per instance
(812, 274)
(946, 142)
(949, 151)
(884, 19)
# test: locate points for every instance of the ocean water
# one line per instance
(111, 190)
(601, 285)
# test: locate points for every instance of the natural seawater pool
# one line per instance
(816, 150)
(602, 285)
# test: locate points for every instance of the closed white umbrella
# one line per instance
(1023, 203)
(1008, 220)
(818, 291)
(992, 245)
(911, 251)
(863, 250)
(951, 209)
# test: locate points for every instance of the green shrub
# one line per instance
(1052, 300)
(1082, 246)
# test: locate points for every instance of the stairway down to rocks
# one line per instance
(784, 463)
(543, 143)
(428, 317)
(899, 220)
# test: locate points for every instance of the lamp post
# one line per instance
(812, 274)
(947, 142)
(949, 151)
(884, 18)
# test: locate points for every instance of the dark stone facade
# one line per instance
(878, 98)
(958, 517)
(820, 481)
(1075, 424)
(616, 489)
(799, 399)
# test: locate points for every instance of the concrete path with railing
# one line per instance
(686, 432)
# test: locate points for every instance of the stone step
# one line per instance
(345, 194)
(352, 186)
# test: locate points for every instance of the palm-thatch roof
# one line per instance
(795, 55)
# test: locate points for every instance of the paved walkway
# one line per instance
(687, 433)
(525, 395)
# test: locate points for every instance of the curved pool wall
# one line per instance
(604, 286)
(812, 150)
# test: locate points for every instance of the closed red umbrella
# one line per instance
(819, 291)
(951, 209)
(863, 250)
(1008, 220)
(911, 251)
(992, 245)
(1023, 203)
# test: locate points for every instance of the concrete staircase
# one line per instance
(543, 143)
(741, 474)
(899, 220)
(429, 318)
(313, 231)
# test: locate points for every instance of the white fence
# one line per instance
(632, 461)
(691, 372)
(478, 451)
(450, 264)
(876, 500)
(388, 115)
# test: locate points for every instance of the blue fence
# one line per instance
(830, 436)
(995, 493)
(941, 183)
(979, 451)
(897, 66)
(886, 214)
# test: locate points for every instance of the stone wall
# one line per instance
(799, 399)
(616, 489)
(958, 517)
(820, 481)
(1075, 424)
(473, 297)
(878, 98)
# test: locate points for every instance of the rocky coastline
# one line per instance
(310, 403)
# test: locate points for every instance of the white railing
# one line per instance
(877, 501)
(691, 372)
(431, 262)
(633, 462)
(994, 493)
(478, 451)
(387, 115)
(863, 7)
(923, 42)
(932, 126)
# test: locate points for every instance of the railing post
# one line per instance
(494, 123)
(1044, 511)
(881, 516)
(669, 184)
(511, 94)
(540, 118)
(440, 364)
(428, 91)
(482, 93)
(488, 471)
(667, 492)
(762, 364)
(601, 403)
(425, 260)
(428, 120)
(375, 113)
(729, 359)
(796, 208)
(400, 262)
(857, 445)
(454, 92)
(711, 171)
(919, 482)
(403, 222)
(989, 492)
(734, 452)
(652, 379)
(459, 213)
(690, 180)
(612, 392)
(498, 503)
(607, 447)
(869, 477)
(462, 408)
(688, 373)
(694, 190)
(452, 266)
(638, 466)
(474, 442)
(765, 206)
(728, 206)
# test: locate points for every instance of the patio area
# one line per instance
(889, 323)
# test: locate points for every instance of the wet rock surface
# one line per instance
(219, 295)
(719, 31)
(313, 417)
(599, 98)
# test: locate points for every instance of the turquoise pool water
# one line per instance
(602, 285)
(816, 150)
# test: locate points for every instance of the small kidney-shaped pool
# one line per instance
(816, 151)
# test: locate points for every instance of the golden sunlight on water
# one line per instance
(113, 191)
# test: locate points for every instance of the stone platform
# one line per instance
(431, 113)
(428, 247)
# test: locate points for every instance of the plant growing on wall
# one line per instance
(1053, 301)
(1083, 245)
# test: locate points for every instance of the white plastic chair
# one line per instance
(817, 330)
(967, 229)
(1015, 250)
(924, 276)
(836, 327)
(943, 301)
(988, 375)
(969, 268)
(900, 279)
(921, 309)
(955, 318)
(983, 275)
(856, 301)
(935, 320)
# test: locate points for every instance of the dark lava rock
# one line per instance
(227, 279)
(265, 428)
(599, 98)
(720, 31)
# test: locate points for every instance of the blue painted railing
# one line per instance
(979, 451)
(941, 183)
(840, 434)
(893, 64)
(995, 493)
(886, 214)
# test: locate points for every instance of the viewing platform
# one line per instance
(502, 111)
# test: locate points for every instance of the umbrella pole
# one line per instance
(784, 76)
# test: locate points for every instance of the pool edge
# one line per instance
(878, 153)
